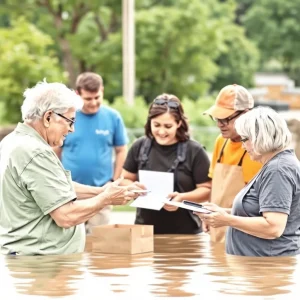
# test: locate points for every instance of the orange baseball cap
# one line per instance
(231, 98)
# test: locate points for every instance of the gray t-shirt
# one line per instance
(275, 189)
(33, 183)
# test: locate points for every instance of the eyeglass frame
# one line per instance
(71, 122)
(226, 120)
(244, 140)
(170, 103)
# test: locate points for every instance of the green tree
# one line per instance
(178, 43)
(238, 62)
(84, 35)
(242, 7)
(26, 58)
(274, 25)
(185, 47)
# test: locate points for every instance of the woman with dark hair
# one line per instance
(167, 147)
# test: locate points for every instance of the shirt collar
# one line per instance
(26, 129)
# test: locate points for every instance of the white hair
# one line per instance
(46, 96)
(265, 128)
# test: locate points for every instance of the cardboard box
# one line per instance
(123, 238)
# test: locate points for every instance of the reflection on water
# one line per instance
(49, 275)
(180, 266)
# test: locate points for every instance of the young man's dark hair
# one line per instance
(89, 81)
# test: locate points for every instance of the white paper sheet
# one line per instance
(186, 206)
(160, 184)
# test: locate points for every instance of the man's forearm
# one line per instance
(86, 191)
(77, 212)
(119, 162)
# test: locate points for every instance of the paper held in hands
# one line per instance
(197, 207)
(160, 184)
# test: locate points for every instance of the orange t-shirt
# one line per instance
(232, 154)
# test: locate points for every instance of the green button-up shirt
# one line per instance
(33, 183)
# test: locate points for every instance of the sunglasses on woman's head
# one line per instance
(170, 104)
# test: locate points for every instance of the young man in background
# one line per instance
(96, 151)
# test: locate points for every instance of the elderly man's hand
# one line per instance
(136, 186)
(117, 195)
(120, 195)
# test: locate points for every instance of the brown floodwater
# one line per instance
(186, 266)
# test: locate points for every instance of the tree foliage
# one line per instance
(184, 47)
(238, 62)
(26, 58)
(274, 25)
(188, 48)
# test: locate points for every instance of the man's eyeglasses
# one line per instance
(70, 121)
(170, 103)
(244, 140)
(227, 120)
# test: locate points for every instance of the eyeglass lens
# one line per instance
(171, 104)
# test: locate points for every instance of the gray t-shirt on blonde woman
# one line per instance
(276, 189)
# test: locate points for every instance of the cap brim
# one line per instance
(219, 112)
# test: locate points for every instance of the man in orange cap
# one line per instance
(231, 167)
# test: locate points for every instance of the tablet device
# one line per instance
(197, 207)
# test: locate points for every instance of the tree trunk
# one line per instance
(68, 61)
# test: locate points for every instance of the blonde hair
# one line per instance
(265, 128)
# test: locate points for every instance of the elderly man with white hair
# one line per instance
(40, 210)
(265, 217)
